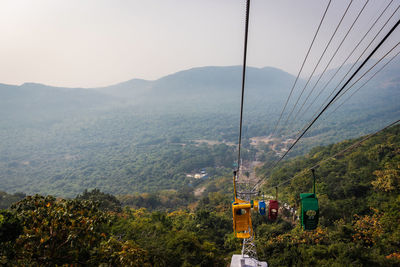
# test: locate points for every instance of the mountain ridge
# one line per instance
(63, 139)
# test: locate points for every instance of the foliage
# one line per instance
(113, 252)
(346, 182)
(61, 141)
(359, 202)
(359, 225)
(368, 229)
(10, 229)
(106, 201)
(161, 200)
(10, 226)
(7, 199)
(388, 179)
(57, 231)
(179, 238)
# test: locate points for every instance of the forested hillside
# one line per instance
(143, 136)
(359, 201)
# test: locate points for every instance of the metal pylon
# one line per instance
(249, 248)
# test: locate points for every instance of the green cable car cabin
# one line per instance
(309, 212)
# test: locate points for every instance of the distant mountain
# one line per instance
(205, 85)
(266, 88)
(33, 103)
(141, 136)
(130, 89)
(211, 89)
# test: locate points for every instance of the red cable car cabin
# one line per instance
(273, 210)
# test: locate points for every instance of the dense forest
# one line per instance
(145, 136)
(359, 225)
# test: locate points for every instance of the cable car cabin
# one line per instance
(273, 210)
(242, 220)
(309, 211)
(262, 207)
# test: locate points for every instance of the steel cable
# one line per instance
(243, 82)
(336, 95)
(334, 156)
(330, 61)
(301, 68)
(340, 152)
(348, 88)
(319, 60)
(355, 63)
(344, 62)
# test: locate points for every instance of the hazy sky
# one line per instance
(90, 43)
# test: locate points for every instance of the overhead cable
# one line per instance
(352, 85)
(319, 60)
(331, 59)
(355, 63)
(301, 68)
(364, 83)
(340, 152)
(344, 62)
(243, 81)
(373, 66)
(341, 89)
(334, 156)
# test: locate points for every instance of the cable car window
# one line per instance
(241, 212)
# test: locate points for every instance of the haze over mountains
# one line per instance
(199, 87)
(63, 140)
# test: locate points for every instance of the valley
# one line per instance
(200, 133)
(147, 135)
(358, 199)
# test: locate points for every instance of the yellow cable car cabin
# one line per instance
(241, 211)
(242, 226)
